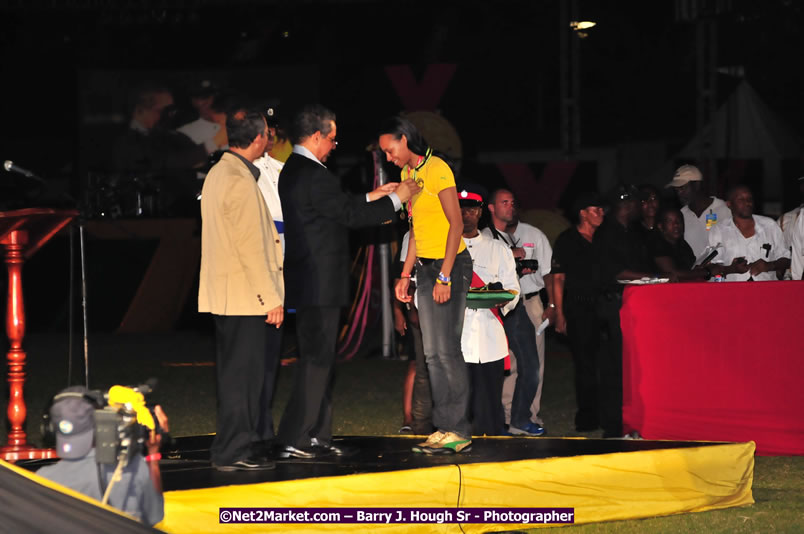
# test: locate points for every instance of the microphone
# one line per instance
(11, 167)
(709, 257)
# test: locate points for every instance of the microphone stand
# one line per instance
(384, 250)
(81, 222)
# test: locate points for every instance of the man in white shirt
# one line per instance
(797, 253)
(789, 222)
(483, 341)
(268, 182)
(527, 243)
(751, 246)
(209, 127)
(701, 212)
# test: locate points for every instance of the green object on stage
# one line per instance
(487, 298)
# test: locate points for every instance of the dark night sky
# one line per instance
(637, 65)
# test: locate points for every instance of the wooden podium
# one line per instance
(22, 233)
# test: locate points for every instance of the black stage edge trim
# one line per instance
(188, 467)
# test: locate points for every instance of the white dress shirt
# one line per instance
(303, 151)
(536, 246)
(796, 242)
(202, 132)
(788, 222)
(767, 244)
(268, 183)
(696, 229)
(483, 338)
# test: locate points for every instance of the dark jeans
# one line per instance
(421, 410)
(441, 326)
(522, 341)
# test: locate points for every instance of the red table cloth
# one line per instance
(716, 361)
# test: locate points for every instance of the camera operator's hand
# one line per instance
(519, 253)
(155, 439)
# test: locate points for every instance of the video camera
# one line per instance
(122, 422)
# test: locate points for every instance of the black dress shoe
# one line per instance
(306, 453)
(247, 464)
(263, 449)
(337, 450)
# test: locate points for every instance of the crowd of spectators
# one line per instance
(632, 235)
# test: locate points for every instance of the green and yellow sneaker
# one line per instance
(451, 443)
(431, 440)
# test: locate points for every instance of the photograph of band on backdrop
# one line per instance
(147, 138)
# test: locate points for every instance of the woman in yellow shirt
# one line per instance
(443, 273)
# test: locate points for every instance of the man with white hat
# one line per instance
(701, 212)
(138, 492)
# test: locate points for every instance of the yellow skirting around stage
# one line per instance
(604, 487)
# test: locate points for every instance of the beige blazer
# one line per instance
(241, 255)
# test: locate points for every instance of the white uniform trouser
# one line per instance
(535, 309)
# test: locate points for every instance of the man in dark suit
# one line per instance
(318, 214)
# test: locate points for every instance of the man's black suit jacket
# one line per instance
(318, 215)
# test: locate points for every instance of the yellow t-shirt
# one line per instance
(282, 151)
(430, 225)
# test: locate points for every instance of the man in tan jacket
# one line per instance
(241, 284)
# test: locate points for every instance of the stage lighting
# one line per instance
(582, 25)
(579, 27)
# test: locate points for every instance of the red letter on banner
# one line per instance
(541, 193)
(423, 96)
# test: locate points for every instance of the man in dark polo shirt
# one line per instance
(575, 289)
(621, 255)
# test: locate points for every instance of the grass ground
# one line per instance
(368, 395)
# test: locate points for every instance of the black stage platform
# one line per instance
(187, 466)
